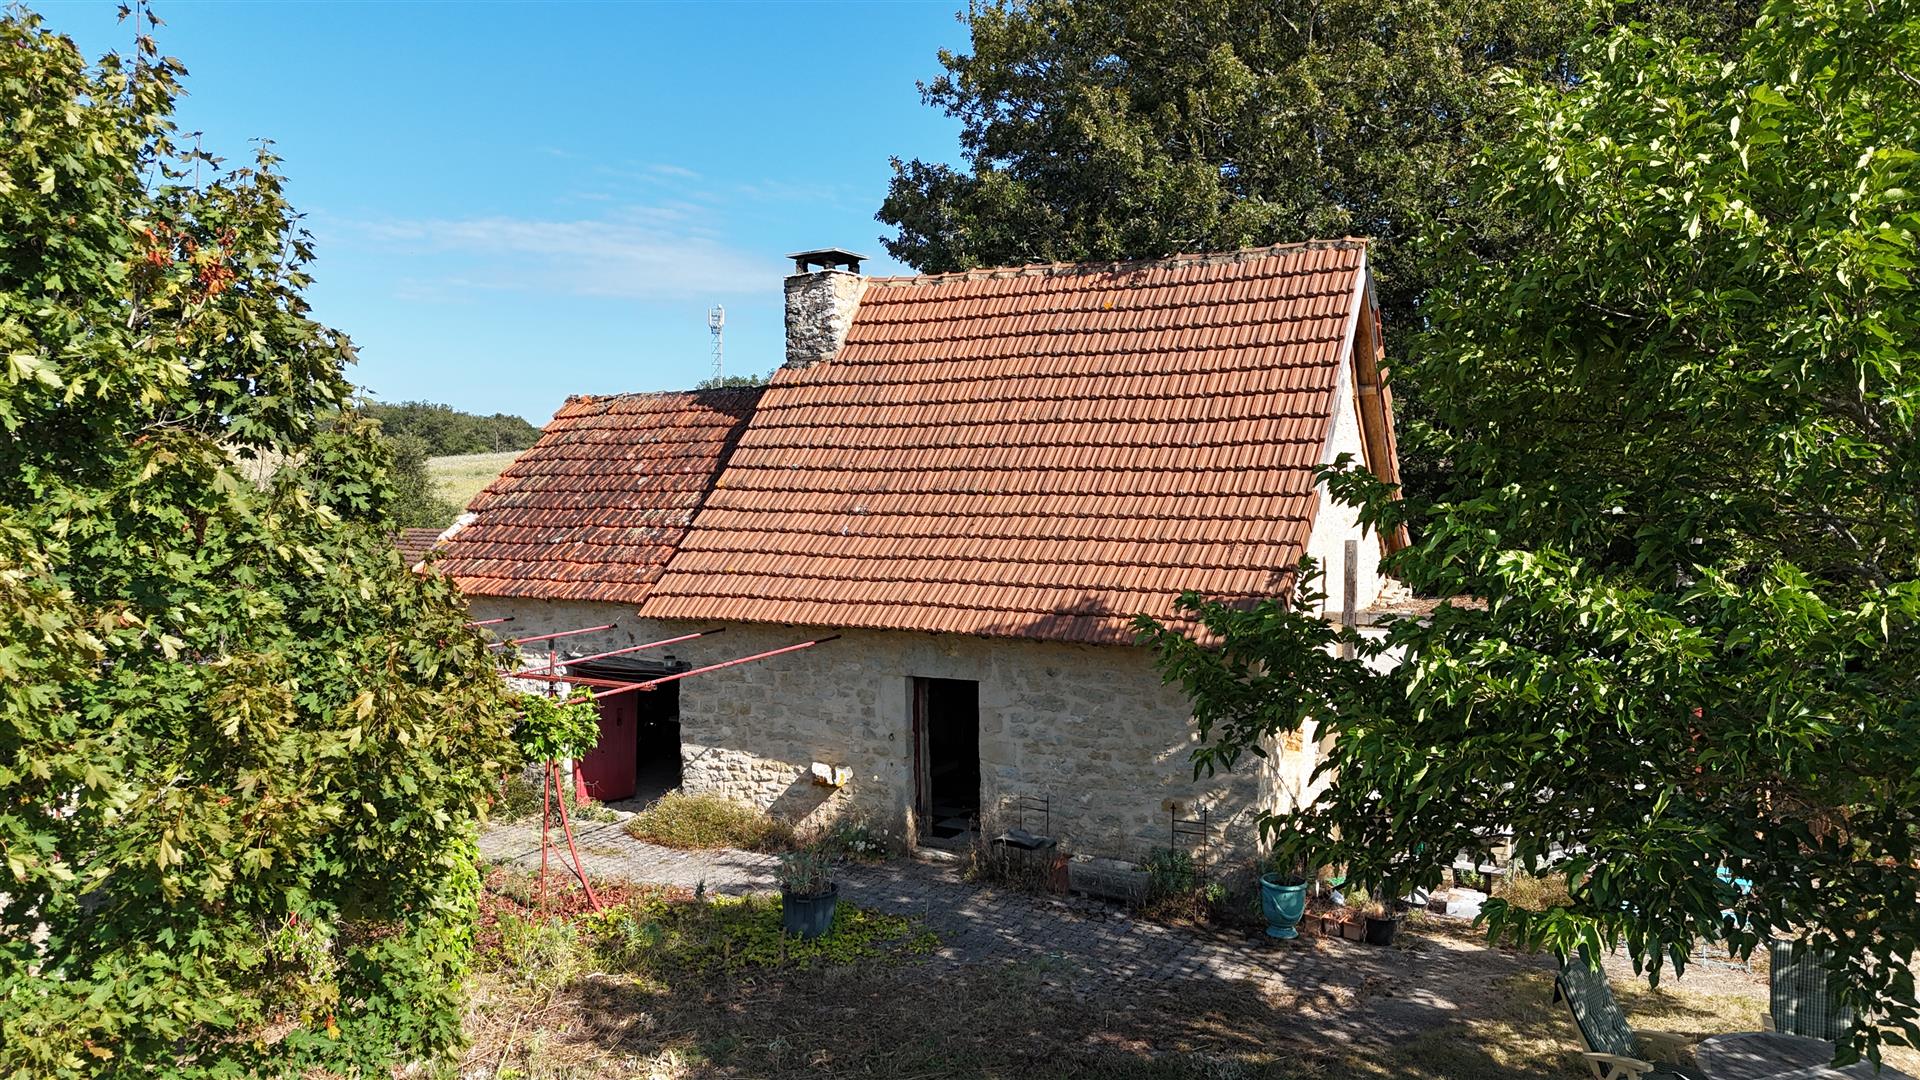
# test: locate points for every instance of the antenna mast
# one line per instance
(716, 322)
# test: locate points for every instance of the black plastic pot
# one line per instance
(1381, 928)
(808, 917)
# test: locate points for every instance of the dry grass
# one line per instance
(459, 477)
(546, 1007)
(869, 1019)
(700, 822)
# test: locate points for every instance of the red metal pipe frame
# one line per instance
(616, 652)
(615, 687)
(651, 683)
(550, 637)
(577, 680)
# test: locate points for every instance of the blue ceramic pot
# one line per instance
(1283, 905)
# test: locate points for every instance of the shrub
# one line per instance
(242, 749)
(1170, 872)
(1523, 890)
(698, 822)
(806, 873)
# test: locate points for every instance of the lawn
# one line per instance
(685, 988)
(457, 478)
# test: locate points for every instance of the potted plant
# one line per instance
(1353, 927)
(808, 894)
(1381, 922)
(1283, 900)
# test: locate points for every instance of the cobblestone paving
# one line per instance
(1405, 990)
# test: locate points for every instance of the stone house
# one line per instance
(976, 480)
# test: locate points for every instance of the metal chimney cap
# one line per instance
(832, 258)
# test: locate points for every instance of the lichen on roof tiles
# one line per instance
(1039, 452)
(596, 507)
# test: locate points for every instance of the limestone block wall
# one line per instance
(1091, 727)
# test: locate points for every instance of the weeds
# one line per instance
(698, 822)
(538, 953)
(851, 838)
(1015, 868)
(658, 936)
(1523, 890)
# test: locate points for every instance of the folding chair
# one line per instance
(1797, 993)
(1614, 1051)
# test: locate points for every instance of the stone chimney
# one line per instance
(822, 295)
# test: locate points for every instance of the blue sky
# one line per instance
(515, 202)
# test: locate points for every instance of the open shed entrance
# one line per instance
(946, 739)
(638, 757)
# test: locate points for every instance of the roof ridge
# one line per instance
(691, 391)
(1111, 266)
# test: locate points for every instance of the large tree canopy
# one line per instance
(241, 748)
(1123, 129)
(1688, 492)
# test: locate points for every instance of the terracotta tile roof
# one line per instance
(415, 543)
(1041, 452)
(593, 510)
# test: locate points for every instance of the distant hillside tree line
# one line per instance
(446, 430)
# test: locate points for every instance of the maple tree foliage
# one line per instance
(242, 749)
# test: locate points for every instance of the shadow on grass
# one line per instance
(713, 999)
(1015, 1020)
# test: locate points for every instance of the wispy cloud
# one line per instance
(656, 252)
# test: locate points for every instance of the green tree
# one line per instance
(242, 749)
(729, 382)
(1122, 129)
(1691, 505)
(415, 503)
(446, 430)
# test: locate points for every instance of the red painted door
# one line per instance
(607, 773)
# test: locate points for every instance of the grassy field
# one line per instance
(458, 478)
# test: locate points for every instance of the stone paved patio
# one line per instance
(1406, 989)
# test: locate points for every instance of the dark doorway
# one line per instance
(638, 757)
(946, 728)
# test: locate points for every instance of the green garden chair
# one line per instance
(1616, 1051)
(1798, 996)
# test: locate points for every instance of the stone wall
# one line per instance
(1091, 727)
(820, 308)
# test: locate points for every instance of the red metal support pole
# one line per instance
(618, 652)
(614, 687)
(550, 637)
(577, 680)
(651, 683)
(579, 868)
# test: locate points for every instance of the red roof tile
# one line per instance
(594, 509)
(1042, 452)
(414, 544)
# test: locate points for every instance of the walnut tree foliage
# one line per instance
(1688, 493)
(1126, 129)
(242, 750)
